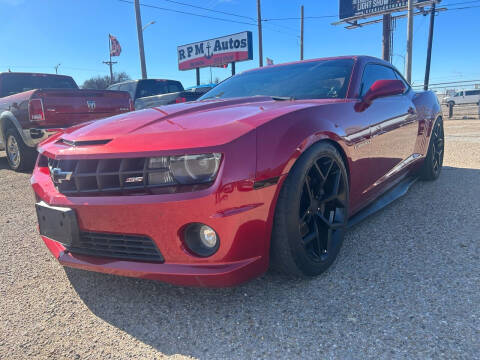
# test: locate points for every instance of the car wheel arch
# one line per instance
(7, 122)
(438, 118)
(312, 141)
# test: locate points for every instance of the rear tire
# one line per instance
(20, 156)
(311, 213)
(433, 162)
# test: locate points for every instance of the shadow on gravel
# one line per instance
(402, 284)
(3, 162)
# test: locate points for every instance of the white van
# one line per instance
(463, 97)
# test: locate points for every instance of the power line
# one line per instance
(462, 3)
(464, 8)
(202, 16)
(452, 82)
(298, 18)
(208, 9)
(188, 13)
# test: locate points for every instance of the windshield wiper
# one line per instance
(213, 96)
(282, 98)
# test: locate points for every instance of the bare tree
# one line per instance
(102, 82)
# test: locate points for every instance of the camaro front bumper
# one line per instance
(241, 215)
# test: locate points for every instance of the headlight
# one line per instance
(185, 169)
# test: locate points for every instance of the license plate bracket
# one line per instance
(58, 223)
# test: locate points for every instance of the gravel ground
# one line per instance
(406, 285)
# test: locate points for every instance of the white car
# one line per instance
(463, 97)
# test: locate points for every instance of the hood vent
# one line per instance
(83, 143)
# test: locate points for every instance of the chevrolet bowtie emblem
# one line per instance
(59, 176)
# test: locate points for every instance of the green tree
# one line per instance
(102, 82)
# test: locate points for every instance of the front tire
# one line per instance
(433, 162)
(20, 157)
(311, 213)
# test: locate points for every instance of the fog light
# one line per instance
(208, 236)
(201, 239)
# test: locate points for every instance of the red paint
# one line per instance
(214, 60)
(260, 139)
(381, 88)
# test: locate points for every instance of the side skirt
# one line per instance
(386, 199)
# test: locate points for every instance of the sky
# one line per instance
(36, 35)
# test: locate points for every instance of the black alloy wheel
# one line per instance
(434, 161)
(311, 213)
(322, 208)
(437, 147)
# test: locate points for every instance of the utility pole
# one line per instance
(387, 35)
(408, 70)
(302, 22)
(110, 63)
(260, 45)
(140, 39)
(429, 50)
(56, 68)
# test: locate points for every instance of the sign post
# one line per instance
(408, 70)
(216, 52)
(429, 50)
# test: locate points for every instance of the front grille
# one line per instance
(80, 177)
(128, 247)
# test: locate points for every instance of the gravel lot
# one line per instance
(406, 285)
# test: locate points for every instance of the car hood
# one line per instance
(181, 126)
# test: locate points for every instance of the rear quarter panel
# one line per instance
(428, 111)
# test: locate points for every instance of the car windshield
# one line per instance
(323, 79)
(16, 83)
(157, 87)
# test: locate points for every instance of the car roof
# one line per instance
(30, 73)
(137, 80)
(361, 58)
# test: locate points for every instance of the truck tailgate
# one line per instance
(65, 108)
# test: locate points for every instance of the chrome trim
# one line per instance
(33, 142)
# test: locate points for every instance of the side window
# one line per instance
(131, 87)
(472, 92)
(372, 73)
(400, 77)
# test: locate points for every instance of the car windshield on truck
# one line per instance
(323, 79)
(157, 87)
(13, 83)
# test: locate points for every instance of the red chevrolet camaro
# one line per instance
(268, 168)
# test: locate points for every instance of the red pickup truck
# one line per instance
(34, 106)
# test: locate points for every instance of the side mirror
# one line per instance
(379, 89)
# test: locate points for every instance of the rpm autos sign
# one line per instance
(216, 52)
(357, 8)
